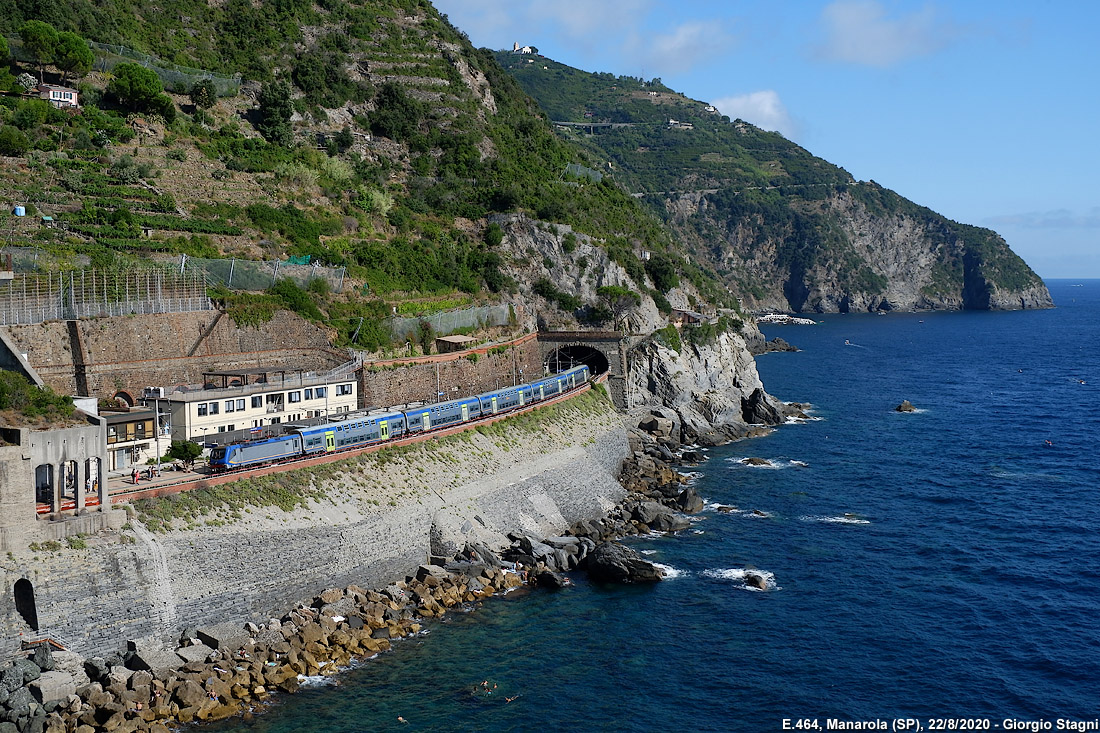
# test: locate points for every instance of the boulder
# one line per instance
(905, 406)
(53, 685)
(11, 679)
(225, 636)
(756, 461)
(480, 552)
(189, 694)
(43, 657)
(615, 563)
(756, 580)
(20, 701)
(757, 410)
(96, 668)
(670, 523)
(647, 512)
(29, 669)
(435, 571)
(550, 579)
(73, 664)
(689, 501)
(150, 654)
(195, 653)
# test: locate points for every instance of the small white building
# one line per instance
(60, 97)
(222, 415)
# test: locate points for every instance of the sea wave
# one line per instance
(773, 464)
(738, 576)
(669, 571)
(842, 519)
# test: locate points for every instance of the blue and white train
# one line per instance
(362, 431)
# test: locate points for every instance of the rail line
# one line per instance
(176, 487)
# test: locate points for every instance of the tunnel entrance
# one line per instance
(24, 602)
(567, 357)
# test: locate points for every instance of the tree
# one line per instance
(39, 40)
(4, 50)
(620, 300)
(275, 112)
(140, 89)
(135, 86)
(72, 55)
(204, 94)
(184, 450)
(12, 141)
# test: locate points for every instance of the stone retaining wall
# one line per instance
(93, 599)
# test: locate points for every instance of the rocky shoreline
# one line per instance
(227, 670)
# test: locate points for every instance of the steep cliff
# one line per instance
(782, 228)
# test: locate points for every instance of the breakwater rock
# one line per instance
(218, 672)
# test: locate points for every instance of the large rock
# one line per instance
(905, 406)
(29, 669)
(53, 685)
(72, 664)
(195, 653)
(150, 654)
(757, 410)
(611, 562)
(689, 501)
(189, 694)
(225, 636)
(670, 523)
(43, 657)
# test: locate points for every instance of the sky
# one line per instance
(986, 111)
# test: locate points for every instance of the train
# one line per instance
(381, 427)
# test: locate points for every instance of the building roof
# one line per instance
(457, 339)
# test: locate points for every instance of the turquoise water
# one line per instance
(942, 563)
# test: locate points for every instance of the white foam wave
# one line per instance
(737, 575)
(669, 571)
(318, 680)
(697, 531)
(647, 552)
(843, 519)
(773, 464)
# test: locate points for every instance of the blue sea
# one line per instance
(937, 564)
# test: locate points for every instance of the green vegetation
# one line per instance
(20, 395)
(184, 451)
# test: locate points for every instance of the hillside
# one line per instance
(783, 228)
(369, 135)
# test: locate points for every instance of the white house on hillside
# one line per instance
(60, 97)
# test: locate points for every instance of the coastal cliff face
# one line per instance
(714, 389)
(860, 248)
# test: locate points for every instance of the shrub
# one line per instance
(12, 141)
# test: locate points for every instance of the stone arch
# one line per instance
(24, 602)
(566, 357)
(124, 396)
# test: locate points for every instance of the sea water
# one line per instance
(938, 564)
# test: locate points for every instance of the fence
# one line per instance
(252, 275)
(447, 322)
(175, 78)
(34, 298)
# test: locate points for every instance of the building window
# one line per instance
(231, 427)
(112, 434)
(257, 400)
(309, 394)
(343, 389)
(240, 404)
(201, 409)
(229, 405)
(221, 428)
(213, 408)
(320, 392)
(294, 396)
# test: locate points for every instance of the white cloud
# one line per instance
(764, 109)
(680, 49)
(1053, 219)
(859, 32)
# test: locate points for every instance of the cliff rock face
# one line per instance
(860, 248)
(714, 389)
